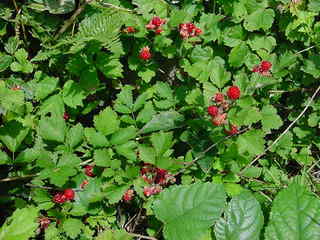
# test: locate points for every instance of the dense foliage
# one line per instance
(159, 119)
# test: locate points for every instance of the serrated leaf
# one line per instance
(188, 211)
(161, 142)
(147, 154)
(123, 135)
(72, 227)
(251, 142)
(163, 121)
(243, 219)
(96, 139)
(75, 136)
(114, 193)
(45, 87)
(5, 61)
(12, 135)
(109, 65)
(52, 128)
(107, 121)
(238, 55)
(270, 118)
(26, 217)
(102, 158)
(259, 19)
(294, 215)
(73, 94)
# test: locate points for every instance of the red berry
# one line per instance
(84, 183)
(233, 130)
(66, 116)
(145, 53)
(219, 119)
(213, 111)
(148, 191)
(256, 69)
(59, 198)
(198, 31)
(128, 195)
(233, 92)
(130, 30)
(158, 31)
(89, 171)
(155, 23)
(265, 66)
(44, 222)
(219, 97)
(69, 194)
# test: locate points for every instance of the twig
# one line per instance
(282, 134)
(36, 186)
(9, 179)
(304, 50)
(109, 5)
(202, 154)
(142, 236)
(70, 21)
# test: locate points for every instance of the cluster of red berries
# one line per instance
(155, 24)
(188, 30)
(89, 171)
(263, 68)
(62, 197)
(218, 111)
(156, 177)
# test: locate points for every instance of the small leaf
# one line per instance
(243, 219)
(238, 55)
(73, 227)
(95, 138)
(73, 94)
(270, 118)
(107, 121)
(251, 142)
(52, 128)
(12, 135)
(5, 61)
(163, 121)
(123, 135)
(260, 19)
(75, 136)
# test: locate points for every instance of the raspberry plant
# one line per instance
(159, 119)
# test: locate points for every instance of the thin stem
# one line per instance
(9, 179)
(284, 132)
(305, 50)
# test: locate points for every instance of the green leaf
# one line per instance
(45, 87)
(123, 135)
(114, 235)
(146, 74)
(23, 65)
(13, 134)
(251, 142)
(52, 128)
(5, 61)
(102, 158)
(243, 219)
(238, 55)
(109, 65)
(4, 158)
(146, 114)
(114, 193)
(163, 121)
(127, 150)
(89, 79)
(124, 101)
(73, 94)
(60, 7)
(294, 215)
(312, 66)
(75, 136)
(259, 19)
(12, 229)
(188, 211)
(72, 227)
(60, 175)
(147, 154)
(270, 118)
(146, 8)
(107, 121)
(161, 142)
(95, 138)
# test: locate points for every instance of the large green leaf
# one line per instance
(243, 220)
(21, 225)
(294, 215)
(52, 128)
(188, 211)
(260, 19)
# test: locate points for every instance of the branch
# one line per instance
(202, 154)
(9, 179)
(69, 22)
(284, 132)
